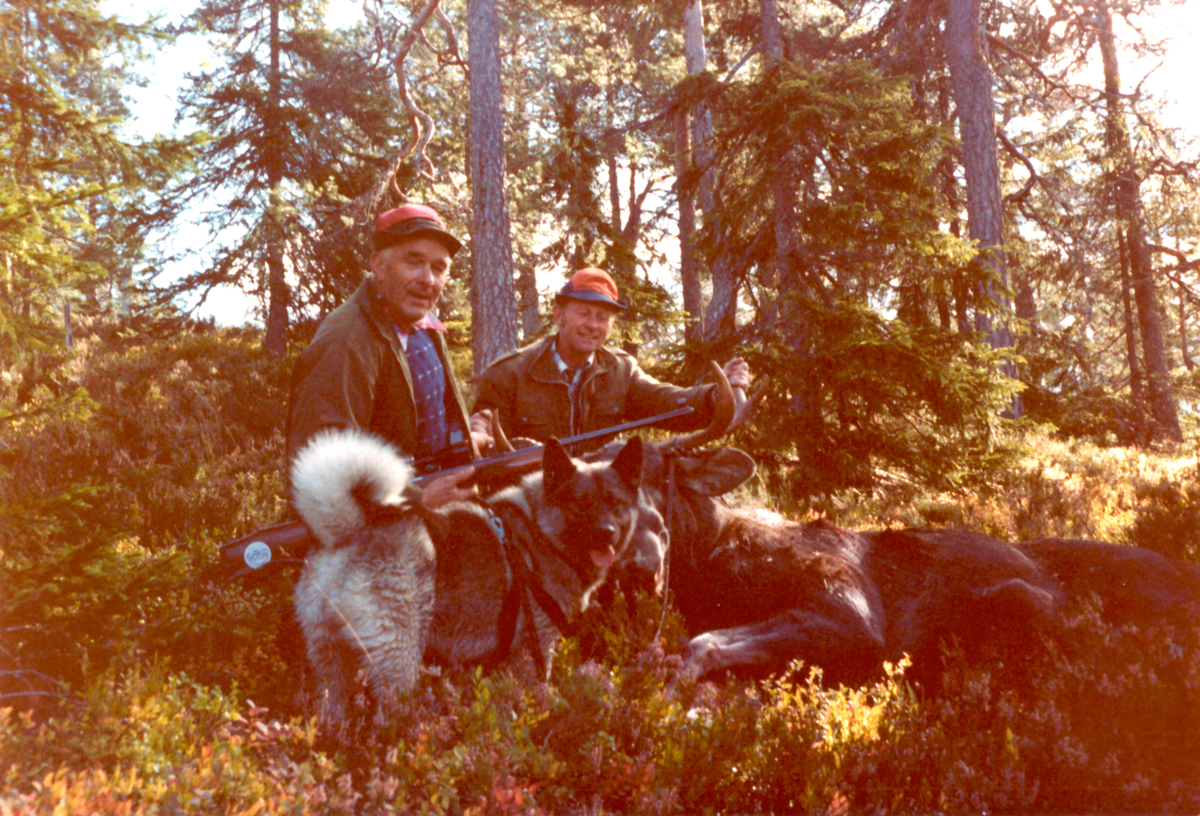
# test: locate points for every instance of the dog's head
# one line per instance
(595, 505)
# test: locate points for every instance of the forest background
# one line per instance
(961, 247)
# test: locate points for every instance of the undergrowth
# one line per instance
(135, 678)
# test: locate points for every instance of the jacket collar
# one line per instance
(545, 369)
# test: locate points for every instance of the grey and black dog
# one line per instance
(393, 584)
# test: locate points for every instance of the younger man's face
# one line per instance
(582, 328)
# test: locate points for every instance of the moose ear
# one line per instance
(628, 463)
(715, 472)
(557, 467)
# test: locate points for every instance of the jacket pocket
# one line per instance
(606, 412)
(541, 414)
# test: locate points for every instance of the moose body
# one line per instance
(759, 596)
(758, 591)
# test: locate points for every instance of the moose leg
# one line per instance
(841, 643)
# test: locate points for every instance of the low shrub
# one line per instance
(1169, 522)
(135, 679)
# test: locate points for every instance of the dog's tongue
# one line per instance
(603, 558)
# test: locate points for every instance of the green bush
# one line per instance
(115, 495)
(1170, 521)
(135, 679)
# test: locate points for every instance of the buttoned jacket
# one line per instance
(354, 375)
(534, 399)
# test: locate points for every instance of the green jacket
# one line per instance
(534, 400)
(354, 374)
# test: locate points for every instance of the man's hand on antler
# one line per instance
(737, 371)
(481, 432)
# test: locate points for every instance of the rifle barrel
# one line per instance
(289, 541)
(513, 461)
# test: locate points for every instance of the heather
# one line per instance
(135, 678)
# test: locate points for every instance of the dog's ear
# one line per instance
(557, 467)
(628, 463)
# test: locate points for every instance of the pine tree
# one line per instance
(493, 292)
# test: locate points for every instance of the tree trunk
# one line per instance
(1026, 303)
(785, 283)
(493, 293)
(1188, 362)
(622, 256)
(689, 266)
(720, 318)
(275, 340)
(971, 80)
(696, 60)
(692, 130)
(772, 31)
(1128, 205)
(527, 301)
(610, 159)
(1136, 379)
(782, 188)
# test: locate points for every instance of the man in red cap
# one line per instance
(379, 362)
(571, 383)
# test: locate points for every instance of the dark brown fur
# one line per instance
(758, 591)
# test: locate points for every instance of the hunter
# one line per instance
(379, 362)
(571, 383)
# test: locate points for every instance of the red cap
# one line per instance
(592, 285)
(395, 225)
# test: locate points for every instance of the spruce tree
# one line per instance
(71, 177)
(293, 114)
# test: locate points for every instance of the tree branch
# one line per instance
(1021, 157)
(1185, 264)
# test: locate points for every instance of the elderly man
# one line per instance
(571, 383)
(379, 362)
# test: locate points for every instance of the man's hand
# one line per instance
(481, 432)
(449, 488)
(737, 371)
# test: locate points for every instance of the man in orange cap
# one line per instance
(571, 383)
(379, 362)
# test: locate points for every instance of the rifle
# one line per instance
(289, 541)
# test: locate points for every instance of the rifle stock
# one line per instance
(288, 542)
(273, 546)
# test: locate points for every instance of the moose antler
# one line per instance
(748, 405)
(499, 438)
(500, 441)
(732, 409)
(724, 411)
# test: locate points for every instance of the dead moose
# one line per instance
(758, 591)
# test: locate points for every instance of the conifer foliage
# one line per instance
(298, 125)
(71, 177)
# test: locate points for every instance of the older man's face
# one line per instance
(410, 276)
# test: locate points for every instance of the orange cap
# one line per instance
(592, 285)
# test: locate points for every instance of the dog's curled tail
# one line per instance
(340, 475)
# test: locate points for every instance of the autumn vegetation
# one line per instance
(960, 332)
(137, 678)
